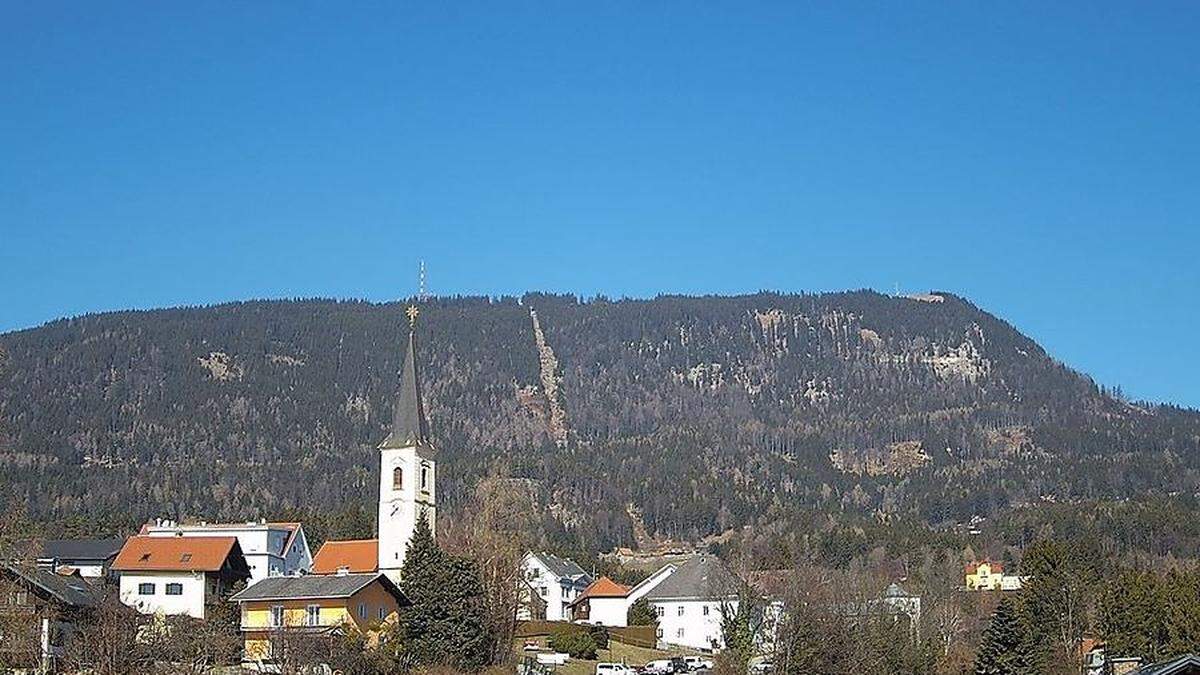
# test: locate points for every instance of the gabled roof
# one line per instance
(1187, 664)
(409, 427)
(71, 590)
(178, 554)
(603, 588)
(317, 587)
(559, 567)
(81, 549)
(701, 577)
(355, 555)
(993, 566)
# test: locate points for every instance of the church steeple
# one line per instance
(409, 427)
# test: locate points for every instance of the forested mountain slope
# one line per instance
(702, 413)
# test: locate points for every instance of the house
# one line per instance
(179, 575)
(38, 613)
(271, 549)
(407, 479)
(277, 606)
(552, 583)
(1188, 664)
(690, 600)
(1091, 653)
(91, 558)
(990, 576)
(603, 603)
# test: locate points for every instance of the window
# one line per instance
(397, 478)
(382, 613)
(145, 557)
(186, 557)
(145, 589)
(659, 611)
(681, 610)
(679, 632)
(658, 632)
(425, 477)
(276, 616)
(362, 610)
(312, 615)
(174, 589)
(706, 610)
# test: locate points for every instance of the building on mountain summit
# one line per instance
(407, 482)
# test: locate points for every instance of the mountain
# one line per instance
(628, 421)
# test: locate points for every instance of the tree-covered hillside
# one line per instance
(694, 414)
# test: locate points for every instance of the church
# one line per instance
(407, 484)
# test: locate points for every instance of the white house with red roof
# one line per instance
(271, 549)
(178, 575)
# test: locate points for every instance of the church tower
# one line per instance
(407, 467)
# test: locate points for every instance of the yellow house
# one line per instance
(277, 607)
(985, 576)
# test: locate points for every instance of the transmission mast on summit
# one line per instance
(421, 292)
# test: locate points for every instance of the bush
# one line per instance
(599, 636)
(578, 644)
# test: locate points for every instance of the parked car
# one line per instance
(679, 665)
(613, 669)
(763, 667)
(697, 663)
(658, 667)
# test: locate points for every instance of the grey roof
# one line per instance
(561, 567)
(409, 427)
(81, 549)
(1188, 663)
(69, 590)
(316, 586)
(700, 577)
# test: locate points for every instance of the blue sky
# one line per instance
(1042, 159)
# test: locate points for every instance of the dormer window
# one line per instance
(397, 478)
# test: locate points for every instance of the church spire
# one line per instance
(409, 427)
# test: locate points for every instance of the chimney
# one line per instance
(343, 571)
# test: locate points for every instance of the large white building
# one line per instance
(178, 575)
(271, 549)
(689, 601)
(407, 484)
(550, 585)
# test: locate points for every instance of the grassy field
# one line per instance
(618, 652)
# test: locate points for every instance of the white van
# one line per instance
(613, 669)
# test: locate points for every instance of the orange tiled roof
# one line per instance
(184, 554)
(604, 588)
(358, 555)
(995, 567)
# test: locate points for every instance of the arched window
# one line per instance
(425, 477)
(397, 478)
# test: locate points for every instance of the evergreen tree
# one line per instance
(641, 614)
(446, 623)
(1004, 648)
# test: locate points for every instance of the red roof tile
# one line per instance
(185, 554)
(357, 555)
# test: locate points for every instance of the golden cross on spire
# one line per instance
(412, 313)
